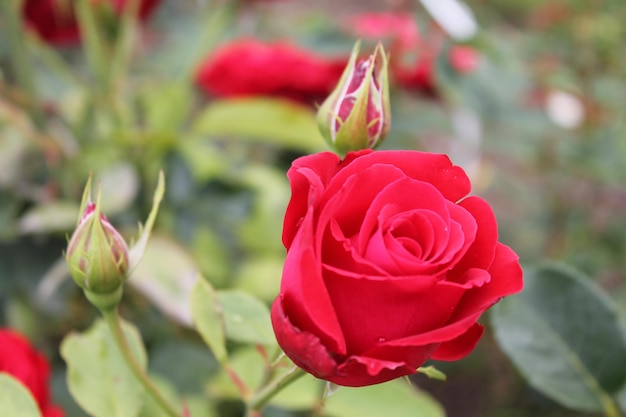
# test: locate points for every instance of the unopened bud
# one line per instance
(97, 255)
(356, 115)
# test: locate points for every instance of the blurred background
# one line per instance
(528, 96)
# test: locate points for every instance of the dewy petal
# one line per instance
(303, 348)
(358, 371)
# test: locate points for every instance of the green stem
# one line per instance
(611, 408)
(22, 69)
(112, 319)
(263, 396)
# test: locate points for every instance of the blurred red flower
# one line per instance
(249, 67)
(55, 20)
(20, 360)
(413, 55)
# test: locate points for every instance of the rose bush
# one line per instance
(20, 360)
(389, 263)
(55, 20)
(248, 67)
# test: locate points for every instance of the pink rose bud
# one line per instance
(356, 115)
(97, 255)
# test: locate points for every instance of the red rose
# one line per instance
(55, 20)
(249, 67)
(19, 359)
(389, 263)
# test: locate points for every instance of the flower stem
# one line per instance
(611, 409)
(263, 396)
(112, 319)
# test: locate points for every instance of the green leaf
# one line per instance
(260, 276)
(304, 393)
(200, 406)
(267, 120)
(56, 216)
(15, 399)
(563, 335)
(208, 319)
(137, 250)
(166, 276)
(391, 399)
(186, 364)
(151, 408)
(249, 366)
(621, 399)
(167, 107)
(246, 318)
(98, 377)
(271, 191)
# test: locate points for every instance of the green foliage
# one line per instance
(564, 335)
(393, 399)
(248, 364)
(124, 105)
(265, 120)
(166, 276)
(247, 320)
(98, 377)
(15, 399)
(208, 318)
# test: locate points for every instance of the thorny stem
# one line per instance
(112, 319)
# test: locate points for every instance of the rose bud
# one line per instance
(97, 255)
(390, 262)
(356, 115)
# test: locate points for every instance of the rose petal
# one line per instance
(304, 293)
(459, 347)
(506, 279)
(349, 204)
(392, 254)
(358, 371)
(374, 311)
(463, 229)
(308, 177)
(303, 348)
(482, 251)
(403, 195)
(435, 169)
(338, 251)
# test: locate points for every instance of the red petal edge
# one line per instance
(303, 348)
